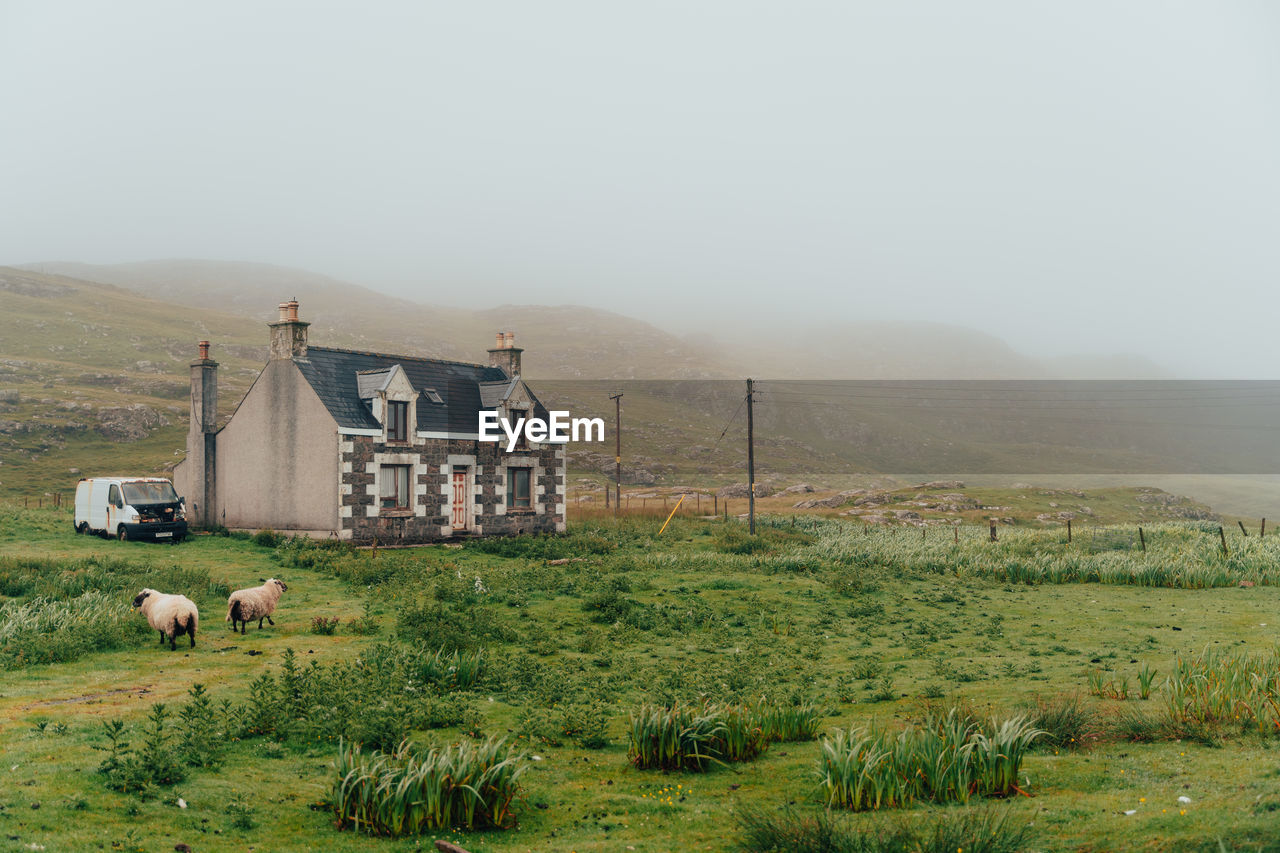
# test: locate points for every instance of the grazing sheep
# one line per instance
(257, 602)
(171, 615)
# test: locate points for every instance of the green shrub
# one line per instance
(546, 546)
(132, 769)
(468, 786)
(303, 553)
(367, 624)
(435, 624)
(241, 811)
(324, 626)
(267, 538)
(376, 699)
(202, 734)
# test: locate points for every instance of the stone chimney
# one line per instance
(202, 439)
(288, 334)
(506, 354)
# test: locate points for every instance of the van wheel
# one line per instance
(122, 534)
(82, 528)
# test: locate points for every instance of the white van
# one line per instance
(130, 508)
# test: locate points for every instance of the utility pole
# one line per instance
(617, 458)
(751, 462)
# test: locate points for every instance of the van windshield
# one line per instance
(149, 493)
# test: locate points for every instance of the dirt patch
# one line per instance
(89, 697)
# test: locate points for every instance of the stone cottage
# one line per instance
(358, 445)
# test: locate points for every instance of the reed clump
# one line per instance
(946, 759)
(405, 792)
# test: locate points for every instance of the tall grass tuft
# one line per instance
(947, 758)
(51, 631)
(1066, 722)
(469, 786)
(787, 723)
(693, 737)
(455, 670)
(1226, 687)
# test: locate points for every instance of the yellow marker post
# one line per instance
(673, 514)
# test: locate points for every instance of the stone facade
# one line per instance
(430, 516)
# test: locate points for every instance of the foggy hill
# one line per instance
(577, 342)
(559, 341)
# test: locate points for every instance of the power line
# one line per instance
(729, 424)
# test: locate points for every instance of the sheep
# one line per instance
(171, 615)
(257, 602)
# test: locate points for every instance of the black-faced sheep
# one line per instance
(171, 615)
(257, 602)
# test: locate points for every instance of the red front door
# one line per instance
(460, 499)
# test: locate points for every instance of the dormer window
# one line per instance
(431, 395)
(397, 420)
(522, 443)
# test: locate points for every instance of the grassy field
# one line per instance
(576, 634)
(935, 507)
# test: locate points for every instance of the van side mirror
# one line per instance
(119, 503)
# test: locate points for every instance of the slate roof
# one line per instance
(334, 375)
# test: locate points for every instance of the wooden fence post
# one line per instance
(1223, 536)
(1242, 530)
(993, 532)
(1143, 539)
(1068, 531)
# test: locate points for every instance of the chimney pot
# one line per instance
(505, 354)
(288, 334)
(204, 350)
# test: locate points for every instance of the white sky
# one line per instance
(1072, 177)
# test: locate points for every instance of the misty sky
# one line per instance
(1071, 177)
